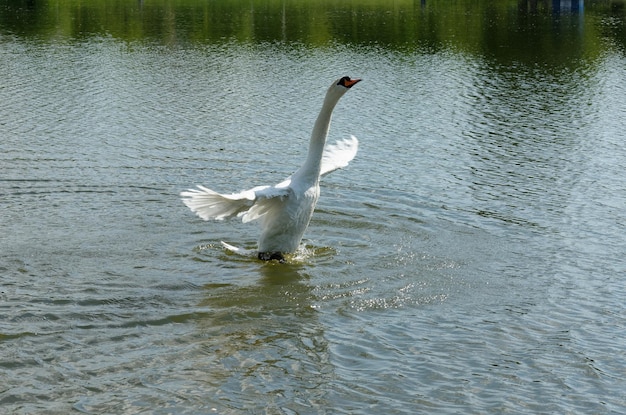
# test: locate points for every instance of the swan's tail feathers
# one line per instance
(211, 205)
(239, 251)
(338, 155)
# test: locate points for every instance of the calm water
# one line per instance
(469, 260)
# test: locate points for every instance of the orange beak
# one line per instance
(352, 82)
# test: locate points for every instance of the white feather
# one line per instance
(237, 250)
(211, 205)
(338, 155)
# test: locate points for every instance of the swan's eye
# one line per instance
(343, 81)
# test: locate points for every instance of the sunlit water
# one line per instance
(469, 260)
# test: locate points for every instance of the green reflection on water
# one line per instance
(518, 29)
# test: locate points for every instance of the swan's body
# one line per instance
(283, 210)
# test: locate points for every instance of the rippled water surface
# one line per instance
(469, 260)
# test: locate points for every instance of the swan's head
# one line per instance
(346, 82)
(340, 87)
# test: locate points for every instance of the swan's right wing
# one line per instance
(338, 155)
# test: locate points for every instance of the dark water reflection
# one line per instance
(508, 30)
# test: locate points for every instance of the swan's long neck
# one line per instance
(310, 170)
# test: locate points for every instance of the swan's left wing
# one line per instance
(268, 200)
(338, 155)
(249, 204)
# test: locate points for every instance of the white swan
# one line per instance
(283, 210)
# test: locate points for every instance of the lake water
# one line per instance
(471, 259)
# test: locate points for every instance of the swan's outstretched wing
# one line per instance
(338, 155)
(249, 204)
(269, 201)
